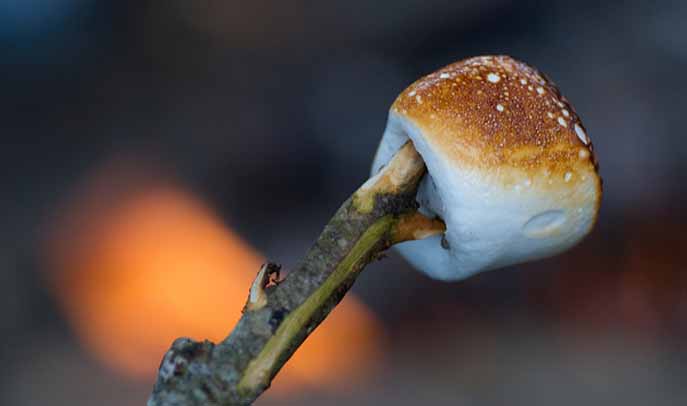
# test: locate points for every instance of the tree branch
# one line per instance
(279, 316)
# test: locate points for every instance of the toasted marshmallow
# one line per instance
(511, 169)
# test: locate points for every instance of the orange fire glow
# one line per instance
(141, 266)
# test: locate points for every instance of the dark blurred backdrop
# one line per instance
(269, 114)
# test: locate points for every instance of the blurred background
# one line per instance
(155, 152)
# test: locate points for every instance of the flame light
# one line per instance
(136, 267)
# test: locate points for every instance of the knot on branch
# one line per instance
(183, 354)
(185, 375)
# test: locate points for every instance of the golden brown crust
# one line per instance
(494, 111)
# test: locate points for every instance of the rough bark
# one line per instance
(279, 315)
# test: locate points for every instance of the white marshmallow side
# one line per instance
(489, 225)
